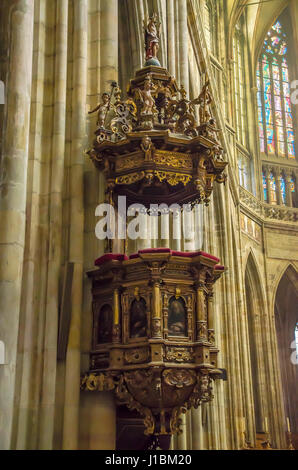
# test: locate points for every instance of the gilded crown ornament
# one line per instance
(150, 144)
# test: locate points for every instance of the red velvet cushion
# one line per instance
(108, 257)
(155, 250)
(184, 254)
(192, 254)
(219, 267)
(134, 255)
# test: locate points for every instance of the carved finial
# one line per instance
(137, 293)
(177, 293)
(152, 38)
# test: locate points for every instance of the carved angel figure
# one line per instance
(152, 35)
(145, 97)
(102, 109)
(204, 100)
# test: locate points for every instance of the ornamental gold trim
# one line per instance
(130, 179)
(173, 159)
(173, 178)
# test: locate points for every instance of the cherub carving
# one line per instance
(102, 109)
(147, 147)
(145, 97)
(204, 100)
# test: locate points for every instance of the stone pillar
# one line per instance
(47, 413)
(278, 175)
(76, 232)
(289, 201)
(97, 421)
(267, 173)
(109, 43)
(182, 438)
(171, 36)
(13, 186)
(183, 44)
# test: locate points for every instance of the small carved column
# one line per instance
(156, 318)
(267, 173)
(278, 175)
(116, 319)
(288, 176)
(210, 313)
(201, 323)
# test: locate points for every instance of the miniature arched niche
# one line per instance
(177, 317)
(138, 318)
(105, 324)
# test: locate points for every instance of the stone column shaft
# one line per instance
(171, 36)
(13, 186)
(76, 232)
(183, 44)
(47, 414)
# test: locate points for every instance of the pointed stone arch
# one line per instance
(286, 320)
(255, 308)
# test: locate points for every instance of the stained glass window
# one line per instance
(239, 84)
(244, 171)
(210, 27)
(283, 189)
(292, 185)
(275, 118)
(265, 187)
(272, 184)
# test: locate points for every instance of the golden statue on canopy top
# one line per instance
(152, 38)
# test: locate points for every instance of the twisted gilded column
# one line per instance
(13, 186)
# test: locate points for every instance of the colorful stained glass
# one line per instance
(275, 71)
(277, 102)
(266, 70)
(286, 89)
(287, 102)
(265, 187)
(290, 135)
(291, 150)
(272, 184)
(283, 189)
(289, 120)
(268, 116)
(262, 145)
(276, 87)
(275, 109)
(283, 49)
(268, 100)
(285, 74)
(277, 27)
(267, 85)
(281, 148)
(280, 134)
(275, 40)
(292, 185)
